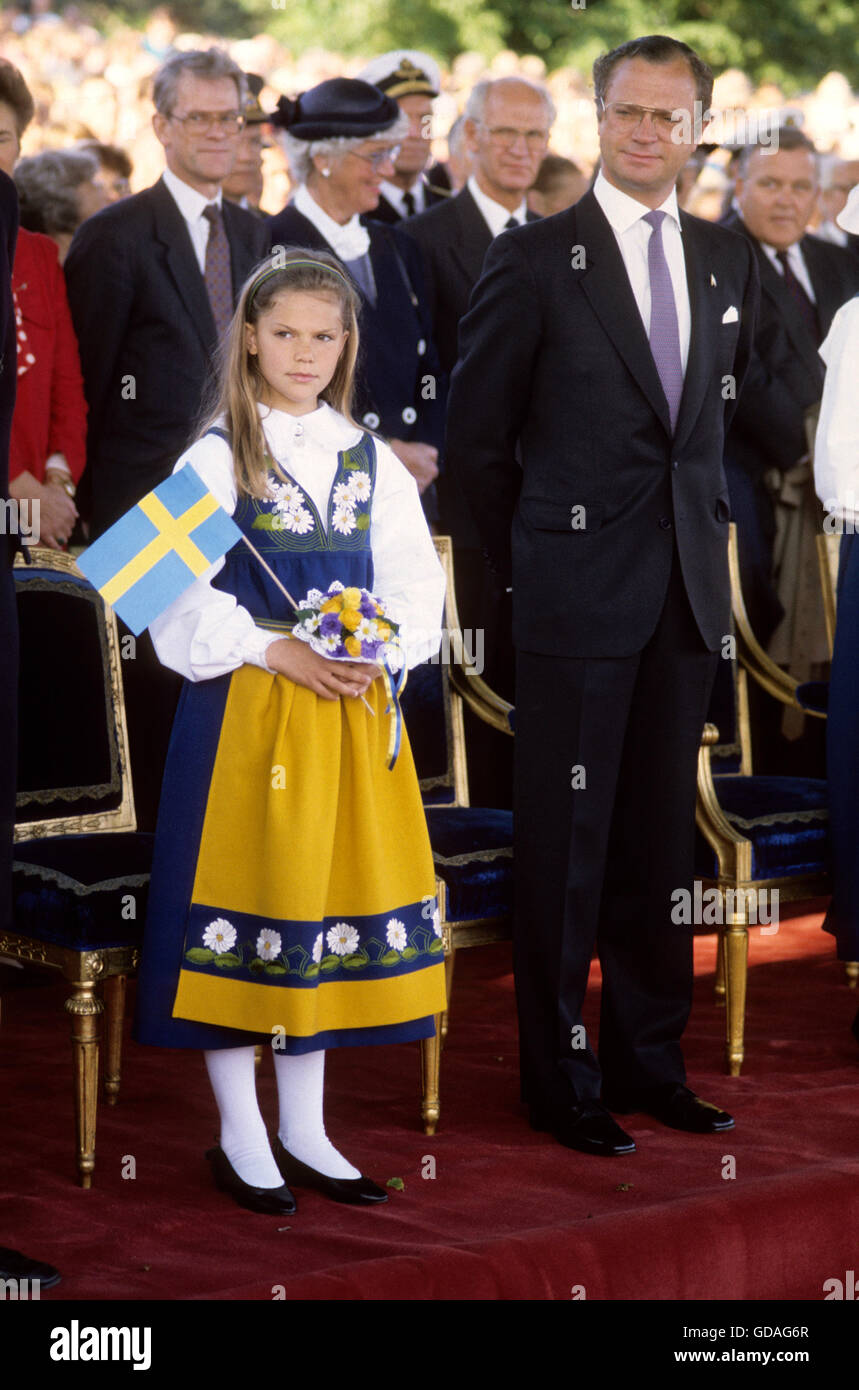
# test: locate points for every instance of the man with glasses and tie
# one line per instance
(152, 283)
(600, 358)
(804, 281)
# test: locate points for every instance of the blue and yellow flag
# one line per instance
(151, 555)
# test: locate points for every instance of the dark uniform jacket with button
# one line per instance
(8, 546)
(397, 352)
(556, 405)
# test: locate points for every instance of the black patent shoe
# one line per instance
(272, 1201)
(586, 1126)
(352, 1190)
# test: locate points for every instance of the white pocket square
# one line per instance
(730, 315)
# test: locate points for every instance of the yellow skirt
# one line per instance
(313, 908)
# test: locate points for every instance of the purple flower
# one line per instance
(329, 625)
(370, 649)
(367, 607)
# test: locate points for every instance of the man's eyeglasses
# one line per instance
(505, 136)
(379, 157)
(201, 122)
(625, 117)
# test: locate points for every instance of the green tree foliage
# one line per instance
(793, 42)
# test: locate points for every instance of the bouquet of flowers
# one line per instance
(347, 624)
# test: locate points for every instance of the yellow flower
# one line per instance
(351, 597)
(384, 631)
(350, 618)
(353, 646)
(333, 604)
(379, 608)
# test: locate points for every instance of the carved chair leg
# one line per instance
(114, 1017)
(736, 969)
(852, 968)
(719, 987)
(85, 1006)
(430, 1076)
(449, 962)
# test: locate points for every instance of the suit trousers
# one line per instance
(604, 826)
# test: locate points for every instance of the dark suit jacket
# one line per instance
(8, 544)
(397, 350)
(386, 212)
(559, 429)
(454, 238)
(768, 428)
(146, 336)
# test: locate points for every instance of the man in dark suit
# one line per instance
(804, 280)
(152, 284)
(506, 129)
(599, 358)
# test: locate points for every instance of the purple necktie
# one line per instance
(664, 333)
(218, 277)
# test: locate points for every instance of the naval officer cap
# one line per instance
(404, 73)
(341, 106)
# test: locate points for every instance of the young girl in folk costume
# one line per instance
(292, 895)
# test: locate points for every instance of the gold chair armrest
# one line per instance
(756, 661)
(733, 850)
(479, 696)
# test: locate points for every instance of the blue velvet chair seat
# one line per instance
(786, 843)
(473, 853)
(70, 889)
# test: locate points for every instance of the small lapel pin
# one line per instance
(712, 280)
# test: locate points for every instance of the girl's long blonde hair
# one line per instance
(241, 385)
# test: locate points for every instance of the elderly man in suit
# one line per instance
(600, 356)
(152, 283)
(804, 280)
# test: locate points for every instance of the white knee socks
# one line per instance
(300, 1082)
(243, 1136)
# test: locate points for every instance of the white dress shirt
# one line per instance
(836, 448)
(348, 240)
(395, 195)
(206, 633)
(494, 215)
(796, 263)
(633, 235)
(191, 203)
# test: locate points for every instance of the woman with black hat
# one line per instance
(341, 139)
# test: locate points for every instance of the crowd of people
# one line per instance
(545, 336)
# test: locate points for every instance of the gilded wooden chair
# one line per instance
(472, 846)
(759, 835)
(80, 871)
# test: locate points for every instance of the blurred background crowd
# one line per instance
(94, 85)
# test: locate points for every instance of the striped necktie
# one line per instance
(218, 277)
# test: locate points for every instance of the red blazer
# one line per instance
(50, 410)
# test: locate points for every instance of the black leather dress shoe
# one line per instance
(351, 1190)
(586, 1126)
(272, 1201)
(14, 1265)
(676, 1106)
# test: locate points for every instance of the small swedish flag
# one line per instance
(151, 555)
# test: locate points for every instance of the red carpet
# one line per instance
(509, 1214)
